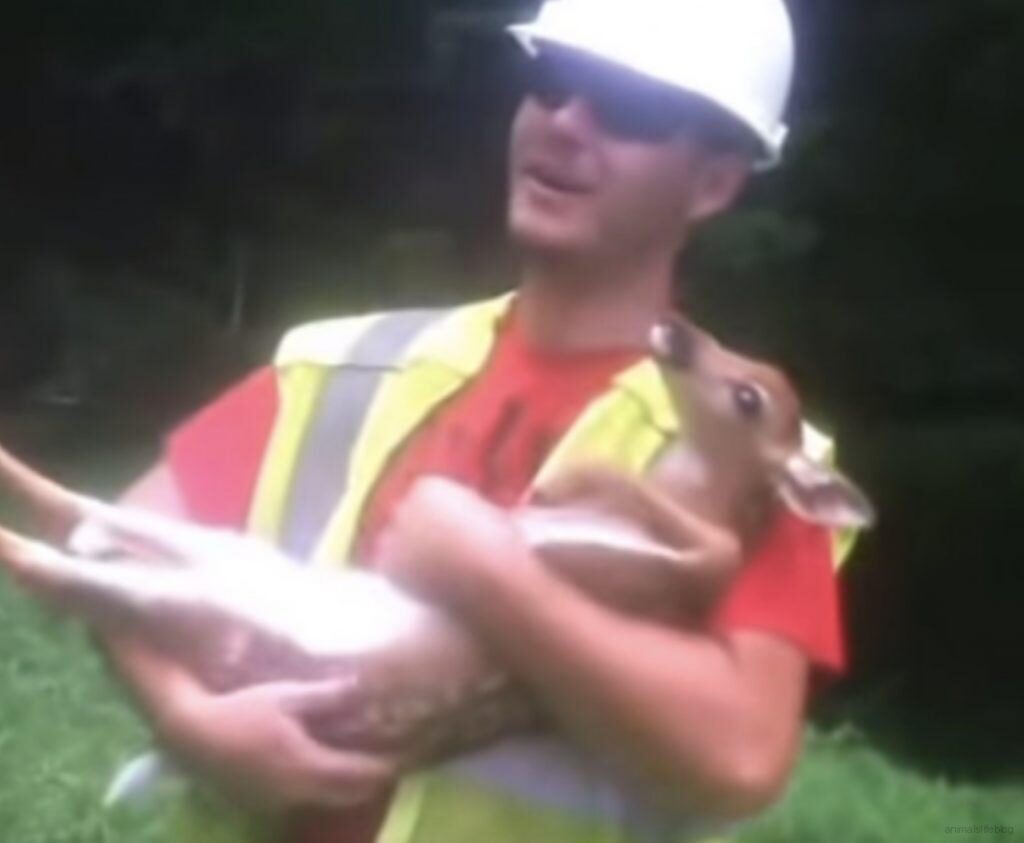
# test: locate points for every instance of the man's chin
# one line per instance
(551, 242)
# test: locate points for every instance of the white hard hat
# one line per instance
(737, 54)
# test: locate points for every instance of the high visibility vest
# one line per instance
(351, 392)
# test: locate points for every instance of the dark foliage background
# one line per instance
(180, 181)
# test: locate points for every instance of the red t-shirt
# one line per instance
(493, 436)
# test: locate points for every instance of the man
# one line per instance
(643, 118)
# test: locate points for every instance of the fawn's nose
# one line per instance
(673, 344)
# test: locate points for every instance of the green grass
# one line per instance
(847, 790)
(64, 728)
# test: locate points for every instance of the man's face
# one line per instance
(581, 187)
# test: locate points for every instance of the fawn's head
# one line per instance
(744, 418)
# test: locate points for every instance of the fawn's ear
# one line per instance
(822, 495)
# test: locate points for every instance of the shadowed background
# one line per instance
(180, 182)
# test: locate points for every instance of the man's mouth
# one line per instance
(557, 179)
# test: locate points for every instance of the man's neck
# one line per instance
(568, 309)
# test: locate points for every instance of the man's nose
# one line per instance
(575, 118)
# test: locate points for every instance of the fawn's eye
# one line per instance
(748, 400)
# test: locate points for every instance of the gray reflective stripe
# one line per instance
(321, 473)
(550, 773)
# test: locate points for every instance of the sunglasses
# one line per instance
(625, 105)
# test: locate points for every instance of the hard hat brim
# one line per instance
(530, 37)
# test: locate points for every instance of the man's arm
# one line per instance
(709, 724)
(706, 724)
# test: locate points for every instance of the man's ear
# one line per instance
(822, 495)
(721, 177)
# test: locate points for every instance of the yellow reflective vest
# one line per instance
(351, 393)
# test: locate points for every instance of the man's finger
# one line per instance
(313, 699)
(344, 778)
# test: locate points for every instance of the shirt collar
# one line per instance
(463, 340)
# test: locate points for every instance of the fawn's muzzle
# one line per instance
(673, 344)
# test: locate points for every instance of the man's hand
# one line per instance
(255, 744)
